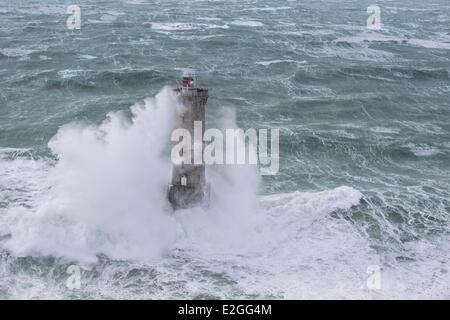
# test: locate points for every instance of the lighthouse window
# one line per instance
(183, 181)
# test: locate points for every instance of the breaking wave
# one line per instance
(106, 194)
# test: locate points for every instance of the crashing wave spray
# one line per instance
(107, 191)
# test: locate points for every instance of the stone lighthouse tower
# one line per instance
(187, 186)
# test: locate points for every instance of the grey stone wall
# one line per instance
(187, 187)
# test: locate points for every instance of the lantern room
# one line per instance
(190, 76)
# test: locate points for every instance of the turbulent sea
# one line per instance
(364, 180)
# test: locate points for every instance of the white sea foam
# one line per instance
(135, 1)
(441, 42)
(110, 16)
(87, 56)
(42, 8)
(106, 194)
(271, 8)
(4, 232)
(69, 73)
(246, 23)
(363, 52)
(421, 150)
(269, 62)
(107, 191)
(311, 205)
(172, 26)
(209, 19)
(21, 177)
(179, 26)
(369, 37)
(16, 52)
(431, 44)
(385, 130)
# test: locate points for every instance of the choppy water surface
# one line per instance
(365, 149)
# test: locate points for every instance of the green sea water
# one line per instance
(364, 119)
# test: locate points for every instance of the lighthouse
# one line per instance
(188, 186)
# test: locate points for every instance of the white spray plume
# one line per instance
(107, 193)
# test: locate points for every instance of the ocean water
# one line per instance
(364, 180)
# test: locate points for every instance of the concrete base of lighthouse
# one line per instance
(183, 197)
